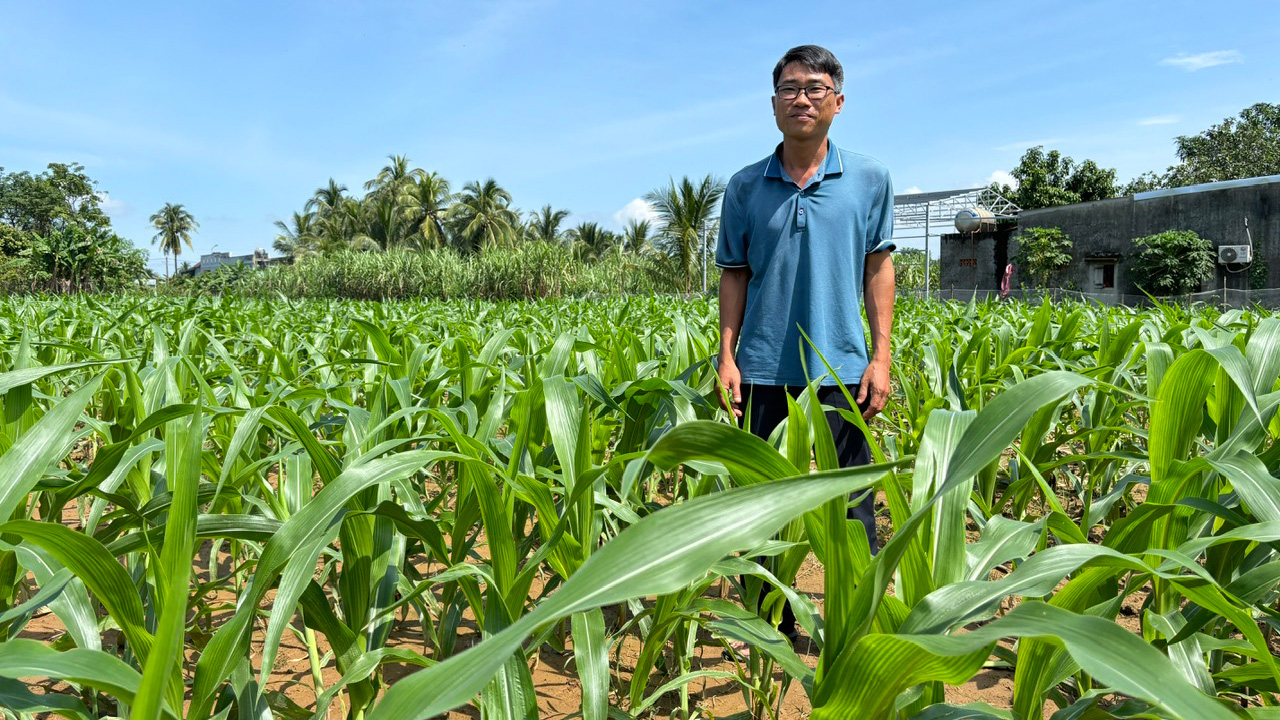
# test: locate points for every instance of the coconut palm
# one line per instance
(394, 174)
(590, 242)
(686, 213)
(424, 203)
(381, 223)
(175, 226)
(298, 237)
(327, 199)
(544, 224)
(482, 215)
(635, 237)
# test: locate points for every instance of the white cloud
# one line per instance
(112, 207)
(1025, 144)
(637, 209)
(1191, 63)
(1003, 178)
(1160, 120)
(913, 190)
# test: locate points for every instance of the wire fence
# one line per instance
(1222, 297)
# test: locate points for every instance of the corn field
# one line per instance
(191, 486)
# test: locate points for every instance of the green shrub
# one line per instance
(1174, 262)
(1042, 254)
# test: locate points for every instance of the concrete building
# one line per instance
(212, 261)
(1102, 235)
(975, 261)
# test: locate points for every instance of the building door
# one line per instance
(1102, 279)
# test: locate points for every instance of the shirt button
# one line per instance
(801, 211)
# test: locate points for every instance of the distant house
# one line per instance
(1102, 235)
(213, 261)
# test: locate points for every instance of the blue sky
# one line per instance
(239, 110)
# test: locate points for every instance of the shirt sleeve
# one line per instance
(731, 249)
(880, 225)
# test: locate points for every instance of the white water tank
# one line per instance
(975, 219)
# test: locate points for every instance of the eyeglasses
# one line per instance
(813, 92)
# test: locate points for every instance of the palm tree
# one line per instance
(392, 175)
(299, 237)
(175, 226)
(590, 241)
(482, 215)
(381, 222)
(687, 212)
(336, 228)
(544, 224)
(327, 199)
(635, 237)
(425, 204)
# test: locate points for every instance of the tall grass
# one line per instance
(531, 270)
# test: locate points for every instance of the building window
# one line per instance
(1103, 274)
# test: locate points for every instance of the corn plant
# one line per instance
(188, 485)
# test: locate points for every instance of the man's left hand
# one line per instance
(874, 390)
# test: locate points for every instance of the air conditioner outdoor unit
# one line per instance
(1232, 254)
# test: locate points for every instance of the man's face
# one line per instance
(803, 118)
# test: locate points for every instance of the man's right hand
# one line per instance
(731, 387)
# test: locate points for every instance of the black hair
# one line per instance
(817, 59)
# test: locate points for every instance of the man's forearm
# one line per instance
(879, 289)
(733, 303)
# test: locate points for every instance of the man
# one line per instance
(804, 239)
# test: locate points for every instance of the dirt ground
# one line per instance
(555, 678)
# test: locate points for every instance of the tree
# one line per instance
(635, 237)
(590, 242)
(1050, 179)
(80, 258)
(425, 203)
(327, 199)
(482, 216)
(1243, 147)
(687, 213)
(1145, 182)
(1174, 262)
(381, 224)
(300, 237)
(174, 225)
(392, 175)
(1042, 252)
(545, 224)
(63, 196)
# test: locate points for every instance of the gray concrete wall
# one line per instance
(1108, 227)
(973, 261)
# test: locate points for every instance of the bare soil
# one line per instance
(554, 676)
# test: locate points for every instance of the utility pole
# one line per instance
(927, 213)
(702, 240)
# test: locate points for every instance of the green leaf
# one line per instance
(591, 657)
(658, 555)
(888, 664)
(21, 658)
(40, 447)
(26, 376)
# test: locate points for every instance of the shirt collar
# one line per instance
(832, 165)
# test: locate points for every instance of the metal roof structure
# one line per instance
(923, 209)
(931, 210)
(1203, 187)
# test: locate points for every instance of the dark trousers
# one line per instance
(765, 406)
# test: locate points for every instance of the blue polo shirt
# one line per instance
(806, 249)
